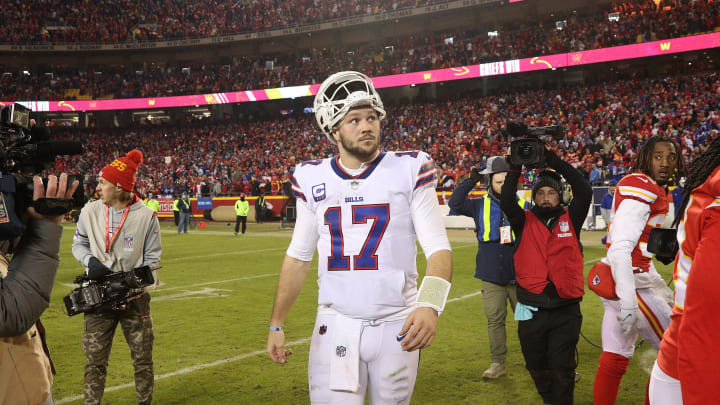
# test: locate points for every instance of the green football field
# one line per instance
(211, 314)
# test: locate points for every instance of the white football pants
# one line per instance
(386, 371)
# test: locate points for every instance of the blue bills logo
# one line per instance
(318, 192)
(340, 351)
(129, 242)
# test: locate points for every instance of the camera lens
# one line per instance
(526, 151)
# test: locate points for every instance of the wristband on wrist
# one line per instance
(274, 329)
(433, 293)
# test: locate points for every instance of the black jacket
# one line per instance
(25, 292)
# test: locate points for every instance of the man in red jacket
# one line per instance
(549, 274)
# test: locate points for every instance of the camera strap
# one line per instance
(109, 241)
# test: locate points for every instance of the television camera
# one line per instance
(528, 148)
(25, 150)
(113, 292)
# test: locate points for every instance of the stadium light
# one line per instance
(560, 25)
(492, 34)
(614, 17)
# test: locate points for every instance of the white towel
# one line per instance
(345, 360)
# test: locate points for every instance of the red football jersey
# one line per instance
(641, 187)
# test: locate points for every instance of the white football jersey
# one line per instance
(366, 238)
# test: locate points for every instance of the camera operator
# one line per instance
(549, 274)
(494, 259)
(117, 234)
(25, 287)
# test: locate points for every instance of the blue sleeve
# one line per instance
(458, 200)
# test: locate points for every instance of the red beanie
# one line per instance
(121, 172)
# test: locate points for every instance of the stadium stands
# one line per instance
(604, 124)
(638, 22)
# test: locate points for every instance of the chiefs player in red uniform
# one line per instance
(689, 355)
(643, 303)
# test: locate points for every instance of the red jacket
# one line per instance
(545, 256)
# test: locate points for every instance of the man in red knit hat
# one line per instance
(118, 233)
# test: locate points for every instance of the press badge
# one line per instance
(505, 234)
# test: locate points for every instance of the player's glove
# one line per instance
(475, 174)
(627, 318)
(97, 270)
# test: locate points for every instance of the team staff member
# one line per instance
(176, 210)
(549, 273)
(152, 203)
(185, 210)
(260, 208)
(494, 259)
(363, 212)
(686, 371)
(242, 207)
(642, 302)
(116, 234)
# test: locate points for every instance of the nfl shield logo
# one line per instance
(129, 242)
(355, 184)
(564, 227)
(340, 351)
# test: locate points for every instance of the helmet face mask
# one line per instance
(341, 92)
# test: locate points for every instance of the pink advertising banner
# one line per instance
(633, 51)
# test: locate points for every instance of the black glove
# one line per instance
(475, 174)
(513, 167)
(97, 270)
(551, 158)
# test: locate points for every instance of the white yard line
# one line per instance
(188, 370)
(192, 286)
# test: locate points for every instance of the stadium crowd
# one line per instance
(53, 21)
(604, 126)
(639, 21)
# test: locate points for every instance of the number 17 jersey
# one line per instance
(366, 239)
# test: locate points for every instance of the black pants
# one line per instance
(176, 215)
(238, 220)
(548, 342)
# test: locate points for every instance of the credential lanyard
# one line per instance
(108, 240)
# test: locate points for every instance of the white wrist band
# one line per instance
(433, 293)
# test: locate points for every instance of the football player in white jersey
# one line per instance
(363, 211)
(641, 303)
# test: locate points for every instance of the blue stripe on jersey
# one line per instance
(427, 166)
(365, 174)
(293, 180)
(425, 180)
(299, 195)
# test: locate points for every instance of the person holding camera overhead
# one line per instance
(548, 268)
(494, 260)
(117, 233)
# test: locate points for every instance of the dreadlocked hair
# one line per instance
(644, 158)
(701, 168)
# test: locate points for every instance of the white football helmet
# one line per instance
(341, 92)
